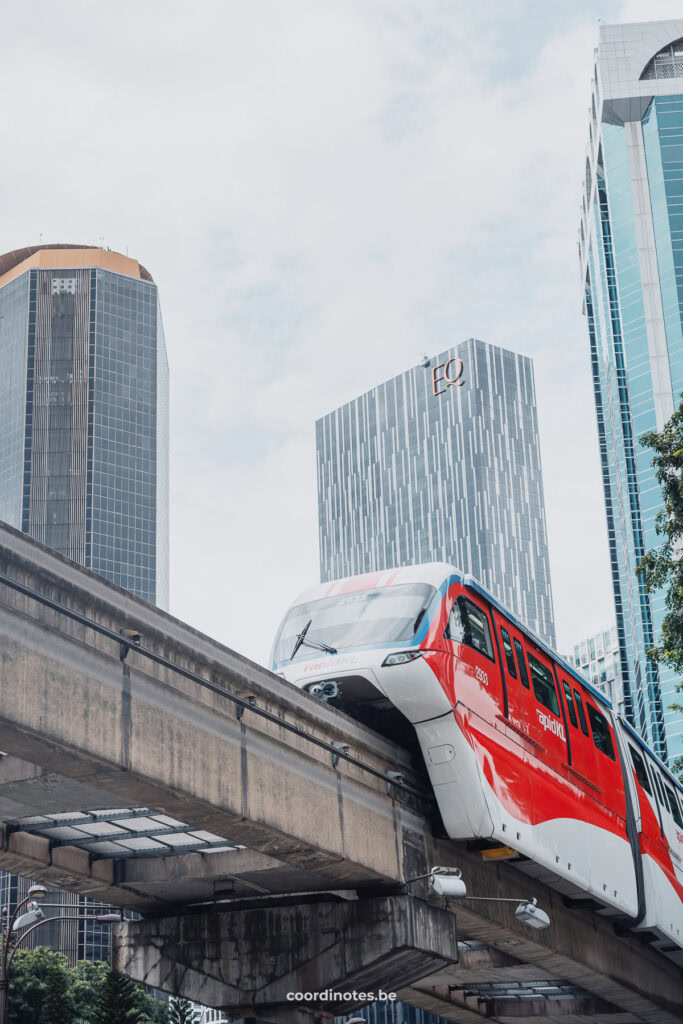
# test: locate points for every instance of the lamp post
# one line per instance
(29, 921)
(448, 883)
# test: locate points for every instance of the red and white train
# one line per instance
(521, 751)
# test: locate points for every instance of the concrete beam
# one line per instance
(556, 1011)
(65, 867)
(469, 1007)
(484, 966)
(205, 877)
(441, 1004)
(150, 737)
(27, 790)
(250, 962)
(153, 885)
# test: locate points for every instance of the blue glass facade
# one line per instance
(84, 407)
(632, 266)
(407, 475)
(13, 333)
(124, 434)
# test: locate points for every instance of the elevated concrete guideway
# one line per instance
(247, 765)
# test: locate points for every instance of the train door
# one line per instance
(647, 812)
(672, 819)
(577, 768)
(515, 748)
(668, 851)
(545, 717)
(590, 764)
(612, 865)
(479, 703)
(609, 776)
(469, 626)
(673, 829)
(515, 693)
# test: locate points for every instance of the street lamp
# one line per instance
(27, 923)
(448, 883)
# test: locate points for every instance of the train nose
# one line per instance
(360, 696)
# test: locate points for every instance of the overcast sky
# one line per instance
(323, 190)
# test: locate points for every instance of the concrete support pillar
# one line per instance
(252, 962)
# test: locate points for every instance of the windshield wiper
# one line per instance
(301, 641)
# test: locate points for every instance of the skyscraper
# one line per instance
(632, 274)
(598, 661)
(84, 443)
(84, 411)
(441, 463)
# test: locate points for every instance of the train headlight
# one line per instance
(325, 691)
(401, 658)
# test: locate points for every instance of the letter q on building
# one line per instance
(452, 375)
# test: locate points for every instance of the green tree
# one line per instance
(40, 988)
(181, 1011)
(119, 1001)
(662, 567)
(88, 980)
(156, 1011)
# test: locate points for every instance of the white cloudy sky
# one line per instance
(323, 190)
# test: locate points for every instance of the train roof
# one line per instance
(433, 573)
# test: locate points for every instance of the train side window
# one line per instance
(640, 770)
(544, 685)
(673, 804)
(655, 785)
(468, 624)
(602, 737)
(570, 704)
(582, 713)
(522, 664)
(509, 656)
(657, 796)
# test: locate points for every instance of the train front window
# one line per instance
(383, 615)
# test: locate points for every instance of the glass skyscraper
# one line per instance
(84, 444)
(441, 463)
(631, 254)
(84, 411)
(598, 661)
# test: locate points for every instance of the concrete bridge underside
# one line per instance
(86, 725)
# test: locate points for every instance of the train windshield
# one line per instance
(383, 615)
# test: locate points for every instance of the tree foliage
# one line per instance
(45, 990)
(39, 989)
(662, 567)
(118, 1002)
(181, 1012)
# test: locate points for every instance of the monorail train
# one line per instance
(525, 757)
